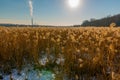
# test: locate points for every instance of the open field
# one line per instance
(81, 53)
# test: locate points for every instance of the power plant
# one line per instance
(32, 22)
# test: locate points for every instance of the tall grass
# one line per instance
(87, 51)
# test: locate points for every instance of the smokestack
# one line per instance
(32, 21)
(31, 11)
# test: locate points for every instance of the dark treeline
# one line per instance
(23, 25)
(103, 22)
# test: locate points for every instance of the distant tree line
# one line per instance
(23, 25)
(106, 21)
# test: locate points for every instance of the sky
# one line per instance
(56, 12)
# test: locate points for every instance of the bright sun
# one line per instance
(74, 3)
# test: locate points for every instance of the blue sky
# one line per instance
(56, 12)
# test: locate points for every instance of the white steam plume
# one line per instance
(31, 8)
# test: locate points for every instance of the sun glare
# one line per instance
(74, 3)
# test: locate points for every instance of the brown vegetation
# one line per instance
(87, 51)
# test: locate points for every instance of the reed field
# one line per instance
(81, 53)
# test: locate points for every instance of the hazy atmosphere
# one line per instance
(59, 39)
(56, 12)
